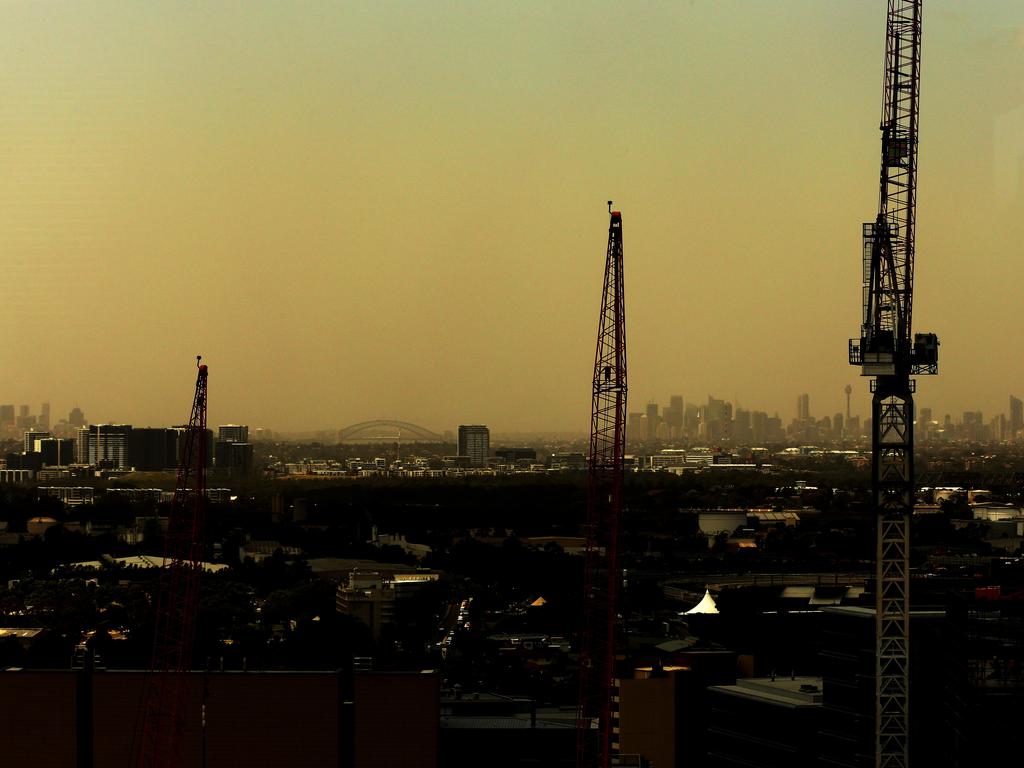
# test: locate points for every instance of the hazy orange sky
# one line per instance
(397, 209)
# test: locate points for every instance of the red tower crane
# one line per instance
(596, 747)
(888, 351)
(163, 708)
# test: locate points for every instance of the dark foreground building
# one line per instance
(74, 719)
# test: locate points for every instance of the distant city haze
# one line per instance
(397, 209)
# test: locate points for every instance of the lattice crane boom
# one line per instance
(602, 575)
(889, 352)
(163, 711)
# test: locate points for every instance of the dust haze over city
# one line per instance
(358, 211)
(308, 455)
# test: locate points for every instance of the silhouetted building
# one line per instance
(568, 460)
(57, 452)
(663, 709)
(152, 449)
(848, 671)
(765, 722)
(252, 719)
(510, 730)
(512, 455)
(233, 458)
(103, 445)
(985, 704)
(1016, 417)
(475, 442)
(30, 461)
(6, 415)
(232, 453)
(234, 433)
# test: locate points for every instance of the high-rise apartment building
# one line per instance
(233, 433)
(31, 440)
(106, 444)
(232, 452)
(44, 416)
(6, 415)
(82, 445)
(475, 442)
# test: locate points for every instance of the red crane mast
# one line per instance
(163, 709)
(602, 575)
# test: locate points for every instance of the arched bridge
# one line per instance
(385, 429)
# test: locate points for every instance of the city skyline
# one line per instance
(998, 424)
(421, 209)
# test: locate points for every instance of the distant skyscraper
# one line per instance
(1016, 417)
(923, 424)
(6, 415)
(742, 427)
(475, 442)
(76, 418)
(675, 416)
(635, 426)
(25, 419)
(848, 390)
(758, 427)
(44, 416)
(803, 407)
(718, 420)
(653, 420)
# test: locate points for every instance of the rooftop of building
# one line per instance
(779, 691)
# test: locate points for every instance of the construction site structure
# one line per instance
(595, 743)
(889, 352)
(163, 709)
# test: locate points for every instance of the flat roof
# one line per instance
(790, 692)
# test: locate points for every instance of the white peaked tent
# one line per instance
(706, 605)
